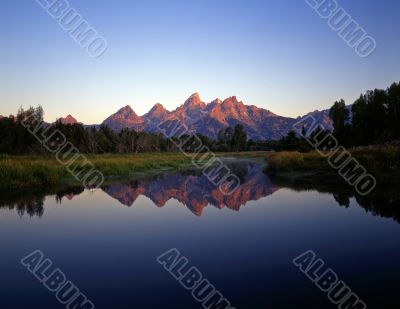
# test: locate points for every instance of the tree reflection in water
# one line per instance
(193, 190)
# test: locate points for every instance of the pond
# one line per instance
(106, 241)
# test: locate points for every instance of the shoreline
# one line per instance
(381, 162)
(35, 172)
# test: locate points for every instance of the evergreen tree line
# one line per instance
(374, 118)
(17, 140)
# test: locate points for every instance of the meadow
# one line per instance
(38, 171)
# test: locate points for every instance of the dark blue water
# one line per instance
(107, 241)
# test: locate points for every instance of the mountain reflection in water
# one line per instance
(193, 189)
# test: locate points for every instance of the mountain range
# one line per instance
(209, 118)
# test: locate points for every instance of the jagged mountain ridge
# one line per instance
(209, 119)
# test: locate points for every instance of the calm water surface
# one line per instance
(106, 241)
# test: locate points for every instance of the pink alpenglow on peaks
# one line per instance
(68, 120)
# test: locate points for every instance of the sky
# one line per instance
(279, 55)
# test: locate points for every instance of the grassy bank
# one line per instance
(381, 162)
(38, 171)
(17, 172)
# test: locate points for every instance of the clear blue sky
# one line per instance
(279, 55)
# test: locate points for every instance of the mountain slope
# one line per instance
(155, 116)
(125, 118)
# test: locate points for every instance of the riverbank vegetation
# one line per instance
(39, 171)
(383, 162)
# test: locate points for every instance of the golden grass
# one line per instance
(34, 171)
